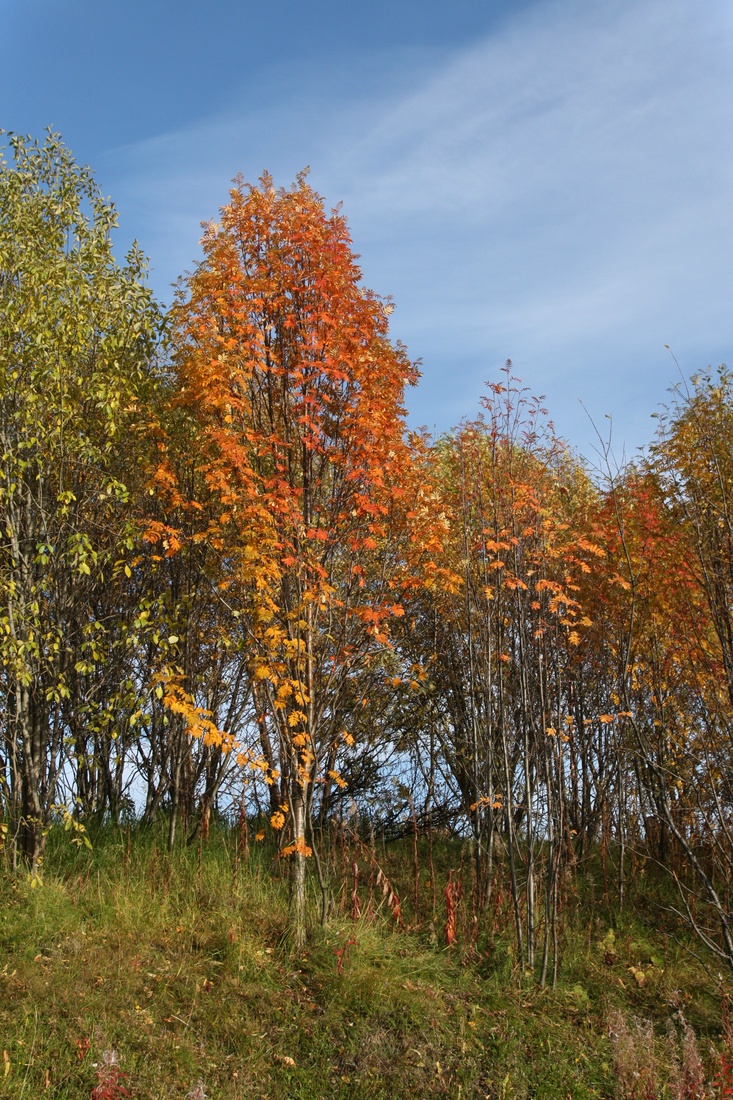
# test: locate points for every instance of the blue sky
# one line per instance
(546, 180)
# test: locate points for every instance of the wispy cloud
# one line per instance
(559, 194)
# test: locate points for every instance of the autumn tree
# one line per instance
(284, 359)
(496, 640)
(693, 455)
(191, 640)
(77, 338)
(675, 562)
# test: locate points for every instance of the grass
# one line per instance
(177, 973)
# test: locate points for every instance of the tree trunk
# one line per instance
(297, 868)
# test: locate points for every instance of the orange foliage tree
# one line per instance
(497, 636)
(285, 362)
(656, 658)
(669, 623)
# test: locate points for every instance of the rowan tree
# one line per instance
(496, 640)
(285, 361)
(192, 642)
(673, 549)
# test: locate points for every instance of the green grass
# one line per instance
(181, 965)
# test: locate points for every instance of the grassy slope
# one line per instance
(182, 967)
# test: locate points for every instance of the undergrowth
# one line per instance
(126, 972)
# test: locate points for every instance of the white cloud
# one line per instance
(560, 194)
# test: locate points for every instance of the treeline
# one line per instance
(234, 583)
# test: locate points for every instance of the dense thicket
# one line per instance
(233, 583)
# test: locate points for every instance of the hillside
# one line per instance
(129, 972)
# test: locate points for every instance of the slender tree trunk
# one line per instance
(511, 843)
(297, 880)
